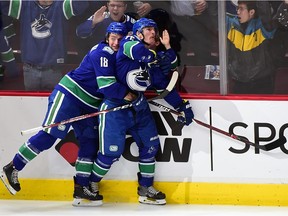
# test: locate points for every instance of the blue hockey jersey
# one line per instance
(132, 64)
(81, 84)
(136, 70)
(43, 29)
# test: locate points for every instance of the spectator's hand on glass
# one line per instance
(165, 39)
(200, 6)
(99, 16)
(144, 9)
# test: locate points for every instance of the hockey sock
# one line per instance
(83, 170)
(101, 166)
(88, 148)
(146, 174)
(30, 149)
(147, 165)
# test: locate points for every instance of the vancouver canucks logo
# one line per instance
(138, 79)
(41, 27)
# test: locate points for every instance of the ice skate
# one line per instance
(149, 195)
(9, 176)
(94, 187)
(84, 197)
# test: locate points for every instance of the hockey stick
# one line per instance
(268, 147)
(163, 94)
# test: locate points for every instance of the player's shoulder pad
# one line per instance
(129, 38)
(94, 47)
(108, 49)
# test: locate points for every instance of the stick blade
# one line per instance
(169, 88)
(275, 144)
(173, 81)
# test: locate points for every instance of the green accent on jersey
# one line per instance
(78, 92)
(105, 81)
(7, 56)
(53, 111)
(84, 167)
(15, 8)
(158, 91)
(128, 46)
(174, 64)
(100, 171)
(68, 9)
(26, 152)
(146, 168)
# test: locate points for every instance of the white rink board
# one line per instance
(19, 113)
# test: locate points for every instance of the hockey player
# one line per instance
(79, 88)
(133, 76)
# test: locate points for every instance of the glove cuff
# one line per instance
(129, 97)
(185, 104)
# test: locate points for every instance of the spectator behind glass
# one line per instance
(8, 66)
(93, 29)
(165, 22)
(279, 46)
(43, 38)
(141, 8)
(250, 64)
(196, 22)
(231, 6)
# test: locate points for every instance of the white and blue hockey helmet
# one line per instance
(142, 23)
(117, 28)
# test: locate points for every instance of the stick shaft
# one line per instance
(267, 147)
(168, 89)
(77, 118)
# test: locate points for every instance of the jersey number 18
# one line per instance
(103, 62)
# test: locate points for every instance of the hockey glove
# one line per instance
(140, 103)
(188, 115)
(164, 63)
(281, 14)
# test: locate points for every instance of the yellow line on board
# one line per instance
(176, 192)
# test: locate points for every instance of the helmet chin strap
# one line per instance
(145, 42)
(142, 40)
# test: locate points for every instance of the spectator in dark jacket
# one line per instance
(250, 64)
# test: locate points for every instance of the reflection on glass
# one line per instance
(36, 51)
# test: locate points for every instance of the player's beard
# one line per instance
(150, 42)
